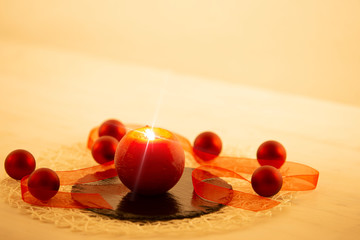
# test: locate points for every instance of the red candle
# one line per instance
(149, 161)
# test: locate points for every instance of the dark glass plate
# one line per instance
(179, 202)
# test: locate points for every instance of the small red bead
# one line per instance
(104, 148)
(43, 184)
(207, 145)
(112, 127)
(271, 153)
(266, 181)
(19, 163)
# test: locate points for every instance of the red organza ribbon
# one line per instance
(66, 199)
(296, 177)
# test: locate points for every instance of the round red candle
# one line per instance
(149, 161)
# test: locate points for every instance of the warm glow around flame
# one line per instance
(149, 133)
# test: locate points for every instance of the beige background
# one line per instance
(65, 66)
(51, 98)
(308, 47)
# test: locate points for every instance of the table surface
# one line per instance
(50, 97)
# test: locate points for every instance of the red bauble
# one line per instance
(207, 145)
(266, 181)
(112, 127)
(43, 184)
(104, 148)
(19, 163)
(271, 153)
(149, 161)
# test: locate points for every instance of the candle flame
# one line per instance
(149, 133)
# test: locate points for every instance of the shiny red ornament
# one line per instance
(43, 184)
(104, 148)
(271, 153)
(19, 163)
(207, 145)
(266, 181)
(113, 128)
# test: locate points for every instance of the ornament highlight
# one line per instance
(271, 153)
(149, 161)
(266, 181)
(207, 146)
(113, 128)
(19, 163)
(104, 148)
(43, 184)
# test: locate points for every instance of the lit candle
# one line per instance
(149, 161)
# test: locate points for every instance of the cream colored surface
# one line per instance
(49, 97)
(308, 47)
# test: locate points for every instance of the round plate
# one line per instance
(179, 202)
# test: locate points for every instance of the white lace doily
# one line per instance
(77, 156)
